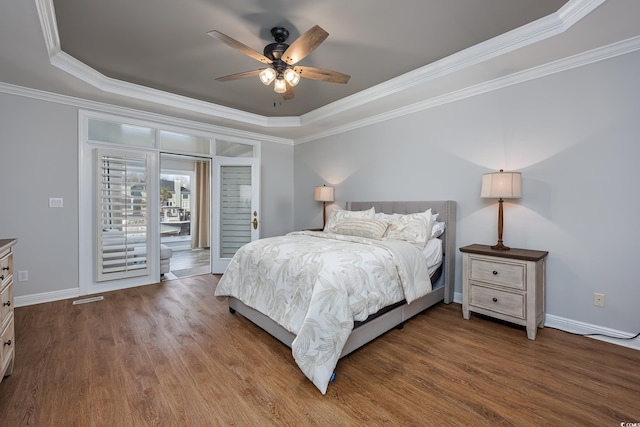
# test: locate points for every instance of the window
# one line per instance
(122, 215)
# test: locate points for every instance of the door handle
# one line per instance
(255, 223)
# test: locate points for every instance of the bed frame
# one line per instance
(443, 288)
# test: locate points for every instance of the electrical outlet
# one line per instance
(598, 300)
(55, 202)
(23, 276)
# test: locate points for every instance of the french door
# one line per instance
(236, 207)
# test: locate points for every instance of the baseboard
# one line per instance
(573, 326)
(46, 297)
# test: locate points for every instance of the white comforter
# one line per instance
(316, 284)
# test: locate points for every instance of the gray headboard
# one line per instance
(447, 211)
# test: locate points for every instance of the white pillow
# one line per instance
(437, 229)
(413, 228)
(362, 227)
(337, 214)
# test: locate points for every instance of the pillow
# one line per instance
(337, 214)
(437, 229)
(362, 227)
(413, 228)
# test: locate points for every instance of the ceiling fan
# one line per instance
(282, 58)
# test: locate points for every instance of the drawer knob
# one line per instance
(8, 342)
(6, 304)
(495, 273)
(495, 299)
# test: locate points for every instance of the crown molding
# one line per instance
(518, 38)
(579, 60)
(138, 114)
(538, 30)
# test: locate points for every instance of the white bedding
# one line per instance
(315, 284)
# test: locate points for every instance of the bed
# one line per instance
(316, 353)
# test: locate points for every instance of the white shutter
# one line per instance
(122, 216)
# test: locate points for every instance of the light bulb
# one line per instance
(280, 86)
(267, 75)
(291, 76)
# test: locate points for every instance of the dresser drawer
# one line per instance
(6, 299)
(8, 343)
(509, 274)
(6, 267)
(509, 303)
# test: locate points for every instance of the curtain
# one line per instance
(201, 230)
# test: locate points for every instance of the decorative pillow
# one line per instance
(337, 214)
(362, 227)
(413, 228)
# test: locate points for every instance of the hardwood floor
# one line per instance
(171, 354)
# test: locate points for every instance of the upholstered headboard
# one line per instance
(447, 211)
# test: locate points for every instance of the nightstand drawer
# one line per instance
(6, 267)
(6, 298)
(7, 340)
(509, 303)
(512, 275)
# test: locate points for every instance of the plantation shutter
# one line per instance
(235, 215)
(122, 215)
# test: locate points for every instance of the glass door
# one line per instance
(184, 216)
(236, 195)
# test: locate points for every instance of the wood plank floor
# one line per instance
(171, 354)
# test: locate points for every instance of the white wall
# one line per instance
(574, 137)
(39, 159)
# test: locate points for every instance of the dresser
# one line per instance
(7, 337)
(507, 285)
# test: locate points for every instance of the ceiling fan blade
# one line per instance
(304, 45)
(240, 46)
(322, 74)
(289, 94)
(238, 76)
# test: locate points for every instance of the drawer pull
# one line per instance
(6, 304)
(5, 268)
(8, 342)
(495, 299)
(2, 277)
(495, 273)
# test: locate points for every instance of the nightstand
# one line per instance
(507, 285)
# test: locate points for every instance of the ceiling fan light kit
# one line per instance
(280, 86)
(282, 59)
(267, 76)
(291, 77)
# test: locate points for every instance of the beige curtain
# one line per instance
(200, 228)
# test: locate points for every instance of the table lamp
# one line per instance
(324, 194)
(501, 185)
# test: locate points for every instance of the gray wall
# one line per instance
(574, 137)
(39, 159)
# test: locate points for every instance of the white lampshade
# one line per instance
(324, 194)
(267, 76)
(291, 76)
(280, 86)
(501, 185)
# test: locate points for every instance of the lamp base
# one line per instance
(500, 247)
